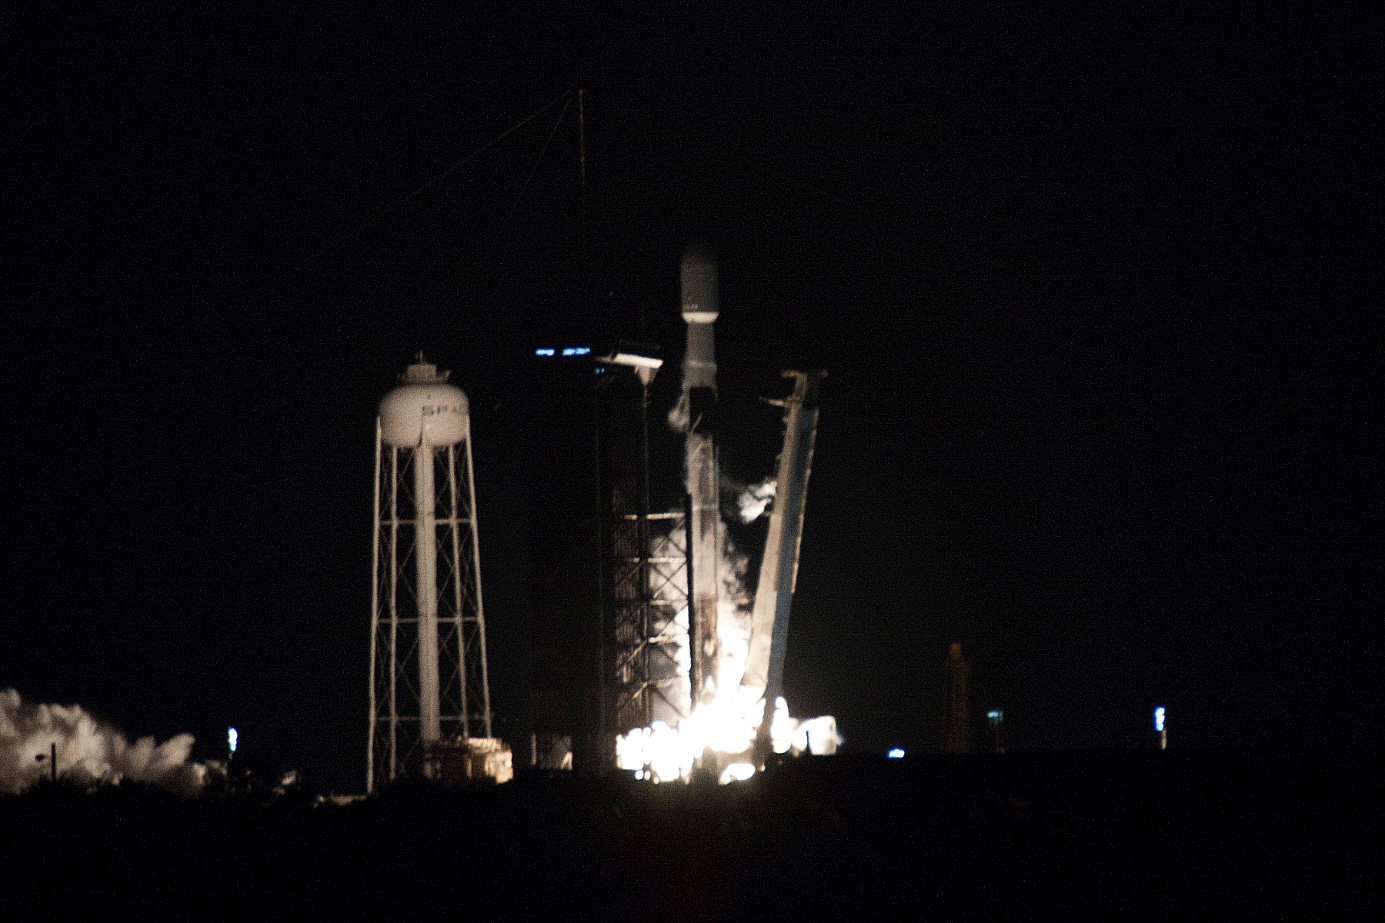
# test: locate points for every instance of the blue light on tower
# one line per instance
(1159, 719)
(232, 736)
(995, 716)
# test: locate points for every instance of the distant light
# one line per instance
(737, 772)
(232, 735)
(1159, 719)
(896, 754)
(600, 370)
(543, 352)
(639, 775)
(995, 714)
(574, 350)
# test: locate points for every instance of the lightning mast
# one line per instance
(956, 711)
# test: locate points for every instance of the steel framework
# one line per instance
(647, 563)
(650, 615)
(427, 608)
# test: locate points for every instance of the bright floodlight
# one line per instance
(634, 360)
(543, 352)
(232, 735)
(633, 355)
(1159, 719)
(737, 772)
(896, 754)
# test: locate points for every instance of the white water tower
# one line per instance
(429, 692)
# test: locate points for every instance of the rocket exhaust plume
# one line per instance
(88, 752)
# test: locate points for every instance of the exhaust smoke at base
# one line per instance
(89, 753)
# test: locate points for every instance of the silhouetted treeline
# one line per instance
(1195, 835)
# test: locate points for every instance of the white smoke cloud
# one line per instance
(89, 753)
(680, 416)
(817, 736)
(755, 499)
(735, 616)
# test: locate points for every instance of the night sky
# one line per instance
(1093, 289)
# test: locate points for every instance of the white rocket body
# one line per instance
(700, 308)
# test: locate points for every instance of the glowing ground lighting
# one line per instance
(896, 754)
(232, 737)
(737, 772)
(662, 753)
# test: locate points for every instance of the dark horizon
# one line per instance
(1092, 292)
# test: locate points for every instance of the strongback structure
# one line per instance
(769, 632)
(429, 692)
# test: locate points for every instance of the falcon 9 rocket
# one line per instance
(699, 399)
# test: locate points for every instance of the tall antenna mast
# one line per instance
(582, 169)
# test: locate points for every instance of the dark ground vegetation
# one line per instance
(1116, 835)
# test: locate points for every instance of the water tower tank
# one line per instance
(424, 403)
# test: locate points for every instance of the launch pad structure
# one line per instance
(646, 555)
(643, 638)
(635, 624)
(608, 568)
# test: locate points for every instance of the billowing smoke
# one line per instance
(680, 416)
(755, 499)
(88, 753)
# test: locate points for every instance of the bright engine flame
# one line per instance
(663, 753)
